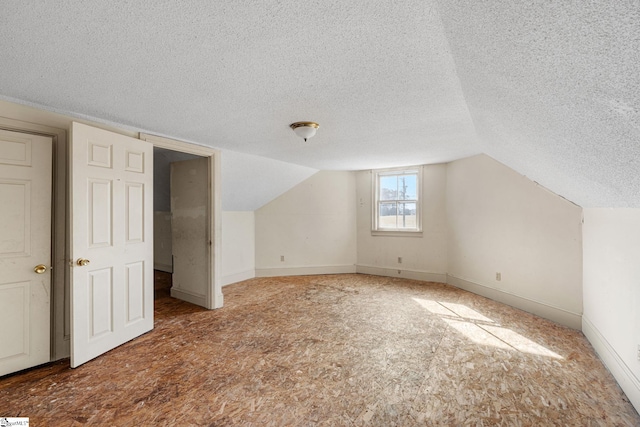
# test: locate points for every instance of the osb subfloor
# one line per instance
(162, 280)
(333, 350)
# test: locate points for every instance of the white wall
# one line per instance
(189, 242)
(238, 246)
(424, 257)
(611, 321)
(313, 226)
(500, 221)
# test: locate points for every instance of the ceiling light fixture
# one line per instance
(304, 130)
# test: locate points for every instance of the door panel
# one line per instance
(16, 306)
(135, 212)
(16, 217)
(135, 292)
(100, 303)
(100, 213)
(25, 242)
(111, 227)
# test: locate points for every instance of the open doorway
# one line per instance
(213, 297)
(180, 215)
(209, 254)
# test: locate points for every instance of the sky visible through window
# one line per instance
(398, 187)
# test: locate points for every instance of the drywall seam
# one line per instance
(305, 271)
(547, 311)
(425, 276)
(629, 383)
(238, 277)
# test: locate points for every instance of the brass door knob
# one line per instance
(40, 268)
(82, 262)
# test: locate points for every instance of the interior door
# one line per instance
(25, 250)
(111, 227)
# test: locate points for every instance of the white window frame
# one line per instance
(376, 229)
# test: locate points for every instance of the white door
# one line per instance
(189, 237)
(111, 227)
(25, 250)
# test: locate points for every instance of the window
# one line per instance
(397, 200)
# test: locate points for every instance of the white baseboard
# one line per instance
(238, 277)
(556, 314)
(189, 297)
(163, 267)
(399, 272)
(305, 271)
(629, 383)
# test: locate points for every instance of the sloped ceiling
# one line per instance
(553, 88)
(549, 88)
(239, 194)
(268, 179)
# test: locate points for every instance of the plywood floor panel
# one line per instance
(344, 350)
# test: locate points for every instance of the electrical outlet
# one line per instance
(498, 276)
(399, 260)
(281, 258)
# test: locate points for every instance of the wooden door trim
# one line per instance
(60, 333)
(213, 297)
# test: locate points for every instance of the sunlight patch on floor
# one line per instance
(482, 330)
(466, 312)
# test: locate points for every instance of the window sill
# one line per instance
(396, 233)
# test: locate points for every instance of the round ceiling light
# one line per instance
(304, 130)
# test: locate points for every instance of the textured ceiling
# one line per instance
(549, 88)
(553, 88)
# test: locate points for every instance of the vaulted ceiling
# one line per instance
(552, 89)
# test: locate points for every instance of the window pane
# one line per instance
(407, 187)
(406, 215)
(388, 215)
(397, 200)
(389, 187)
